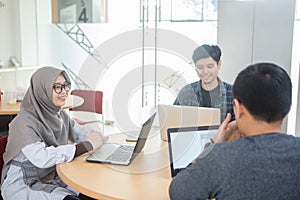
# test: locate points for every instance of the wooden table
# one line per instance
(147, 177)
(9, 109)
(8, 112)
(14, 109)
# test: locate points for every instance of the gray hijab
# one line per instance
(39, 119)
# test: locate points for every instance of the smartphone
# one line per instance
(132, 137)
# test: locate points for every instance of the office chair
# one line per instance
(3, 142)
(93, 101)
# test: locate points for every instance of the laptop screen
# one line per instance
(186, 143)
(143, 136)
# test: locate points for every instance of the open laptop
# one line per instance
(171, 116)
(186, 143)
(122, 154)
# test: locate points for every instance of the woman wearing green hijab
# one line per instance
(38, 139)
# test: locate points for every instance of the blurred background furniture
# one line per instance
(92, 103)
(3, 142)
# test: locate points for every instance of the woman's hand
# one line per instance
(95, 139)
(228, 131)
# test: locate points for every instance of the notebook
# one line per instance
(122, 154)
(186, 143)
(171, 116)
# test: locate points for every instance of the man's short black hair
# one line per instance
(265, 89)
(205, 51)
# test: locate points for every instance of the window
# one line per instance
(194, 10)
(178, 10)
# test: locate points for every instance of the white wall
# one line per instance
(296, 108)
(18, 38)
(235, 36)
(8, 27)
(28, 32)
(253, 31)
(294, 116)
(18, 32)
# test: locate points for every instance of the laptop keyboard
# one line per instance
(121, 154)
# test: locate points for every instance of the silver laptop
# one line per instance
(121, 154)
(186, 143)
(171, 116)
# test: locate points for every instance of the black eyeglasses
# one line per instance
(58, 88)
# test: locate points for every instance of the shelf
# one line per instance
(20, 68)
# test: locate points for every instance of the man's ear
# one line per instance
(219, 64)
(238, 108)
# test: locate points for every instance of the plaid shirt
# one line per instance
(190, 95)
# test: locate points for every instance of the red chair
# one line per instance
(3, 142)
(92, 102)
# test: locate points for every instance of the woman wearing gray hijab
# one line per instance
(38, 139)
